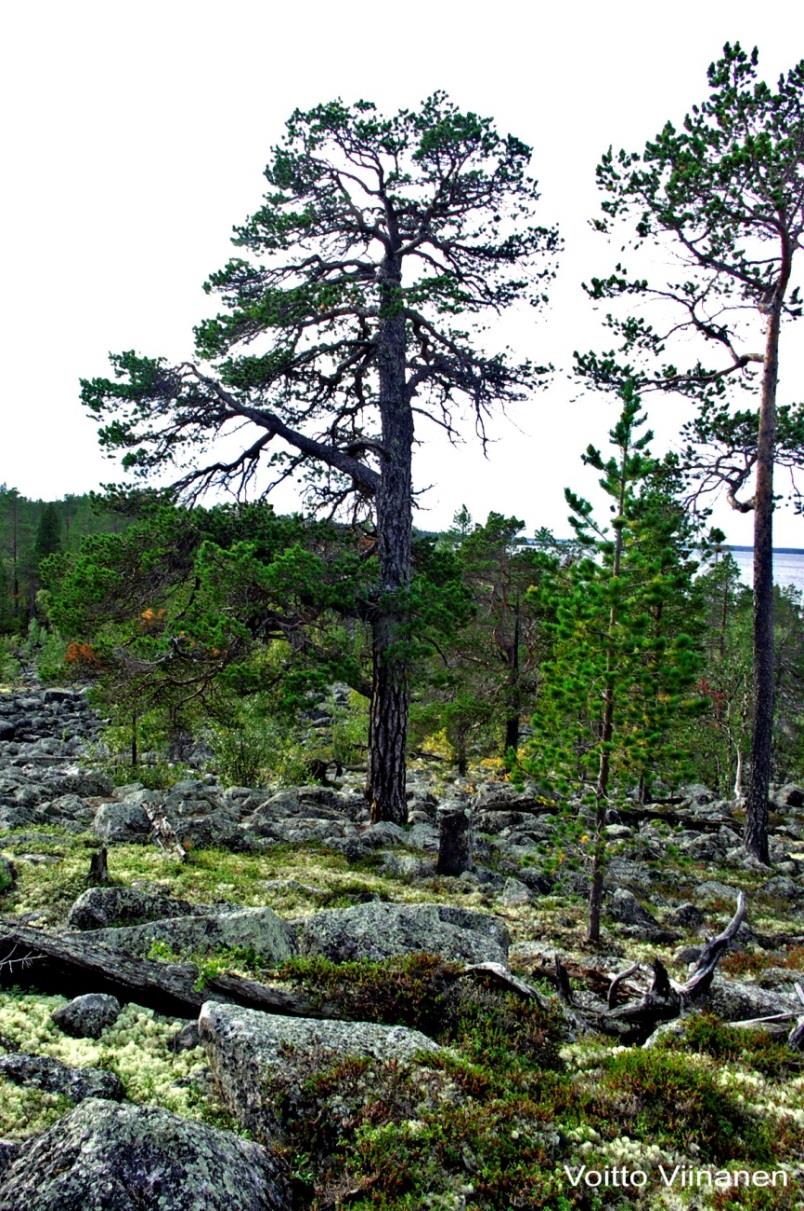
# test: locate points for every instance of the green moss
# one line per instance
(470, 1126)
(410, 990)
(755, 1049)
(414, 1137)
(671, 1100)
(275, 877)
(756, 1199)
(485, 1125)
(6, 880)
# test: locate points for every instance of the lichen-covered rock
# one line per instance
(19, 814)
(42, 1072)
(9, 1150)
(101, 907)
(185, 1039)
(68, 807)
(688, 916)
(423, 836)
(789, 795)
(784, 889)
(259, 929)
(122, 822)
(377, 931)
(515, 892)
(103, 1157)
(201, 817)
(406, 866)
(739, 1000)
(87, 1016)
(259, 1060)
(626, 909)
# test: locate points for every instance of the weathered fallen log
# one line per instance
(75, 964)
(665, 1000)
(618, 981)
(641, 814)
(495, 973)
(796, 1036)
(560, 972)
(628, 815)
(32, 958)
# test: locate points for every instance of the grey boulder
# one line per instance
(783, 888)
(42, 1072)
(261, 1060)
(790, 795)
(99, 907)
(103, 1157)
(626, 909)
(515, 892)
(122, 822)
(377, 931)
(87, 1016)
(686, 915)
(259, 929)
(739, 1000)
(9, 1150)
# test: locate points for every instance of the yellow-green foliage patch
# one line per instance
(135, 1047)
(25, 1112)
(207, 876)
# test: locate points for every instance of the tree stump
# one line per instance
(98, 868)
(454, 840)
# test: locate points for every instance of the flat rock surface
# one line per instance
(259, 929)
(260, 1059)
(377, 931)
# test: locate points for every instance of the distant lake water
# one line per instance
(788, 566)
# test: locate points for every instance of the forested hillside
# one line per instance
(348, 865)
(30, 530)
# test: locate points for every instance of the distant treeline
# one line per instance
(30, 530)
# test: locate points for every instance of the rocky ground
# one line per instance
(392, 1079)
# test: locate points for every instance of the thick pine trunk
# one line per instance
(514, 691)
(756, 822)
(390, 692)
(511, 733)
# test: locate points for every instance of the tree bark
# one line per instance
(513, 697)
(756, 821)
(390, 690)
(461, 755)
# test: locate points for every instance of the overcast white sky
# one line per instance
(135, 136)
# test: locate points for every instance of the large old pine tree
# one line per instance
(349, 318)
